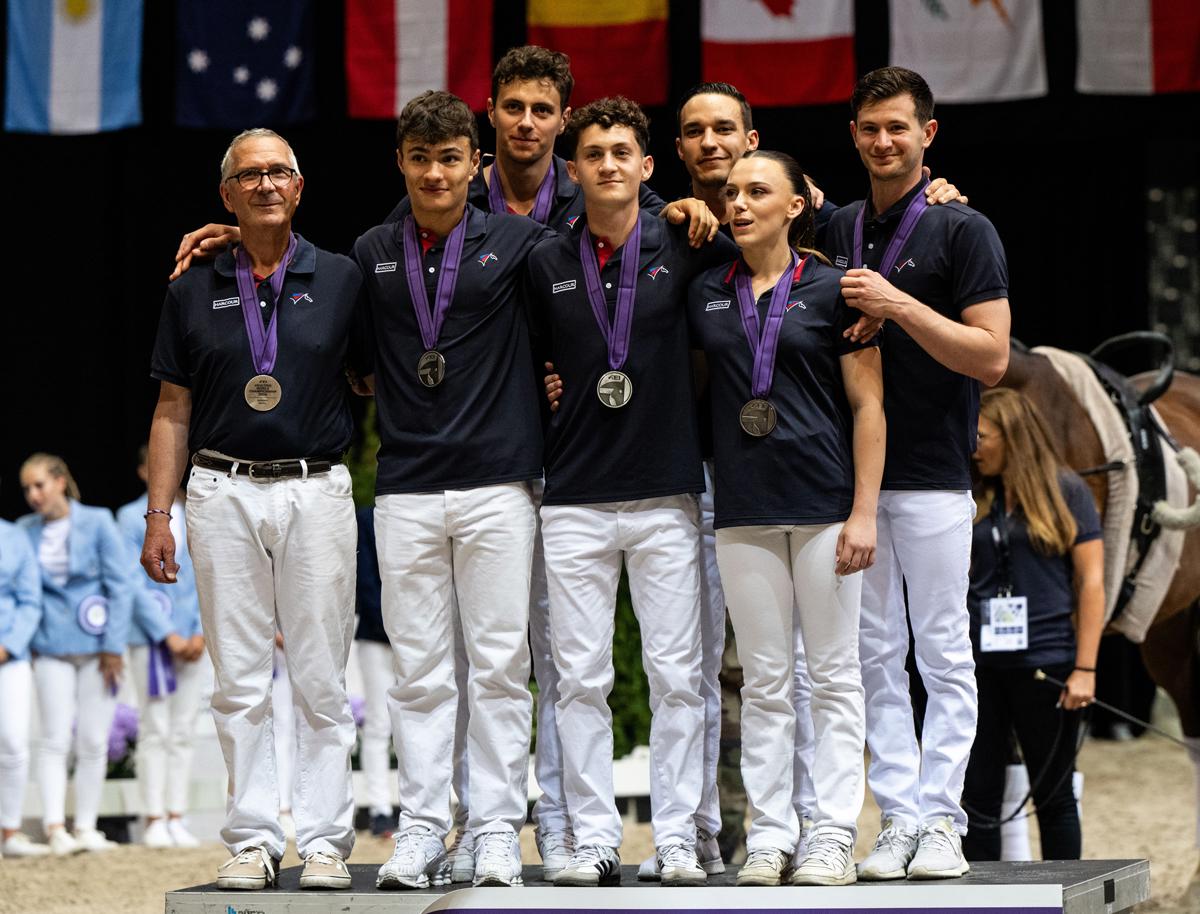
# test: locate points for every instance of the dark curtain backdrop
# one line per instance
(93, 222)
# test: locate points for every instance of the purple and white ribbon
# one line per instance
(162, 664)
(541, 203)
(764, 342)
(430, 324)
(92, 614)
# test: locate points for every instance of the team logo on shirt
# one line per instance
(798, 303)
(490, 255)
(389, 267)
(908, 263)
(571, 222)
(841, 261)
(717, 305)
(661, 268)
(218, 304)
(298, 297)
(567, 286)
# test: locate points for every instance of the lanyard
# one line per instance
(999, 519)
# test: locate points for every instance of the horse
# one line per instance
(1171, 650)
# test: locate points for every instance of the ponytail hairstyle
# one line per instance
(56, 467)
(802, 233)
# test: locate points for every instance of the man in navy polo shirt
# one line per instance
(939, 277)
(622, 464)
(250, 355)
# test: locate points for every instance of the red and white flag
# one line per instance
(971, 50)
(1138, 47)
(396, 49)
(780, 52)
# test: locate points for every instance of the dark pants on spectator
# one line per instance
(1012, 700)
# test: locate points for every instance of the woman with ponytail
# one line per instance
(86, 609)
(798, 436)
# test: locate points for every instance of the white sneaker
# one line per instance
(324, 871)
(889, 859)
(252, 868)
(459, 865)
(678, 865)
(61, 843)
(158, 835)
(19, 845)
(648, 869)
(708, 852)
(556, 848)
(592, 864)
(180, 834)
(763, 866)
(92, 839)
(417, 856)
(828, 859)
(939, 852)
(498, 859)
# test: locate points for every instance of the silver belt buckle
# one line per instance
(274, 469)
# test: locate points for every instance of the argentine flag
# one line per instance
(73, 65)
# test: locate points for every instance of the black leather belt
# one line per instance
(267, 469)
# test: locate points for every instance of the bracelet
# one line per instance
(1086, 669)
(162, 511)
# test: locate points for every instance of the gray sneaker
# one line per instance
(939, 852)
(324, 871)
(249, 869)
(417, 856)
(592, 864)
(828, 858)
(459, 865)
(893, 850)
(708, 852)
(678, 865)
(556, 848)
(763, 866)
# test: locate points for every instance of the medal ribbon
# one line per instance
(541, 203)
(429, 324)
(264, 343)
(618, 332)
(162, 671)
(908, 222)
(764, 343)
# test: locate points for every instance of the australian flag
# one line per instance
(245, 63)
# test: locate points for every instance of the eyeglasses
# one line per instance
(280, 175)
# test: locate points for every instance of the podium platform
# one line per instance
(1069, 887)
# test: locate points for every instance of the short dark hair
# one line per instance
(888, 82)
(436, 116)
(613, 111)
(533, 62)
(725, 89)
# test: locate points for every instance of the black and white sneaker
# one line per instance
(591, 864)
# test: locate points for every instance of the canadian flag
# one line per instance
(1138, 47)
(780, 52)
(396, 49)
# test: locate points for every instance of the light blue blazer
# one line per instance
(151, 623)
(20, 591)
(98, 565)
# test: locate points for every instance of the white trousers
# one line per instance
(477, 543)
(776, 578)
(803, 795)
(267, 555)
(378, 675)
(16, 691)
(165, 728)
(283, 730)
(72, 691)
(712, 647)
(659, 540)
(924, 542)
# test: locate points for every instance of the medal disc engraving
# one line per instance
(757, 418)
(263, 393)
(614, 389)
(431, 368)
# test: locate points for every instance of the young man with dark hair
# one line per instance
(608, 303)
(938, 277)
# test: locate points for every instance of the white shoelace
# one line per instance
(409, 842)
(677, 855)
(496, 850)
(938, 839)
(893, 838)
(589, 855)
(765, 857)
(323, 859)
(827, 850)
(255, 855)
(556, 842)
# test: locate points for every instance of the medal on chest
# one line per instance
(614, 389)
(758, 417)
(262, 392)
(431, 366)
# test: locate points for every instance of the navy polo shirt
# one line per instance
(953, 260)
(202, 345)
(482, 424)
(803, 472)
(650, 447)
(564, 212)
(1046, 581)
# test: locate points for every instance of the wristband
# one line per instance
(162, 511)
(1086, 669)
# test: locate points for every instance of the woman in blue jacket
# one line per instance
(20, 611)
(86, 606)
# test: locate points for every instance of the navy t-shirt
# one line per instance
(202, 345)
(1046, 581)
(648, 448)
(952, 260)
(803, 472)
(482, 424)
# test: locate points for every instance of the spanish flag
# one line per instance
(617, 47)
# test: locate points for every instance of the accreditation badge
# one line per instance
(1007, 628)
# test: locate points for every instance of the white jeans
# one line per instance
(477, 543)
(71, 690)
(803, 796)
(16, 687)
(778, 577)
(165, 728)
(283, 731)
(378, 675)
(279, 554)
(659, 540)
(712, 646)
(924, 541)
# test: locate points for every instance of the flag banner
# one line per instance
(245, 63)
(74, 66)
(1138, 47)
(780, 52)
(617, 47)
(396, 49)
(972, 50)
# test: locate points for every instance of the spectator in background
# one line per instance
(86, 606)
(1037, 564)
(165, 644)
